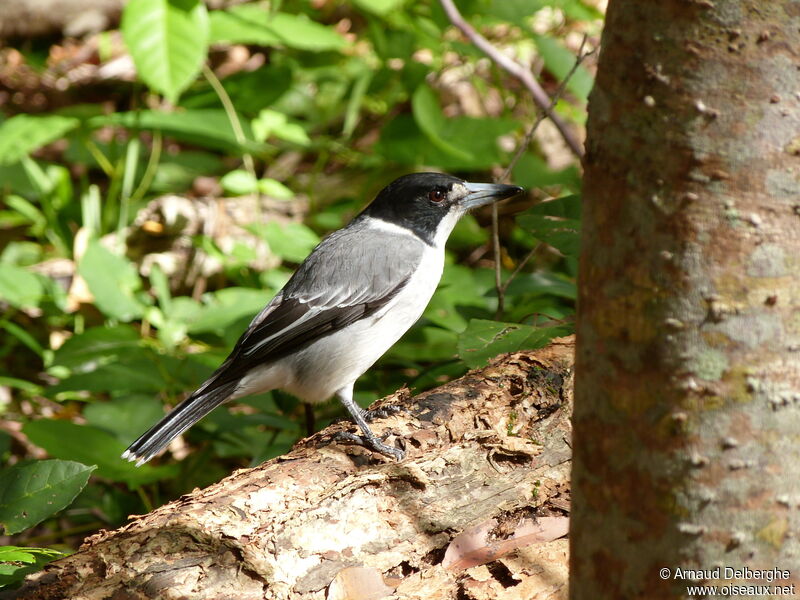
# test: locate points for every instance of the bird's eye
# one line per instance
(436, 195)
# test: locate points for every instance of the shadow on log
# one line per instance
(488, 451)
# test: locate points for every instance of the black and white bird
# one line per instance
(354, 296)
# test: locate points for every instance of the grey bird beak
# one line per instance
(481, 194)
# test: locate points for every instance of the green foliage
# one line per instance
(23, 134)
(104, 322)
(31, 492)
(17, 562)
(167, 40)
(482, 339)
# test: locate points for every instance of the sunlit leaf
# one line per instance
(22, 134)
(19, 287)
(113, 281)
(484, 339)
(379, 7)
(167, 40)
(254, 24)
(291, 241)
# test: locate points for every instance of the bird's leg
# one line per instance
(369, 439)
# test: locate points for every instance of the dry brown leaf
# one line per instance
(360, 583)
(472, 547)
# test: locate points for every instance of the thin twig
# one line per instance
(543, 113)
(540, 97)
(501, 286)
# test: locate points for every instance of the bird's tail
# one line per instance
(183, 416)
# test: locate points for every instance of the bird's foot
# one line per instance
(383, 412)
(371, 442)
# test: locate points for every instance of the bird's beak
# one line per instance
(481, 194)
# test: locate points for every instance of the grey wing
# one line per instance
(346, 278)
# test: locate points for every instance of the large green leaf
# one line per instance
(483, 340)
(126, 417)
(90, 445)
(167, 40)
(95, 346)
(210, 128)
(227, 306)
(292, 241)
(137, 370)
(113, 281)
(429, 117)
(253, 24)
(403, 141)
(19, 287)
(22, 134)
(557, 222)
(31, 492)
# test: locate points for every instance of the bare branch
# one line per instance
(517, 70)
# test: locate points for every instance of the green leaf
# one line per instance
(137, 370)
(95, 346)
(559, 62)
(543, 283)
(19, 287)
(291, 241)
(245, 24)
(113, 281)
(90, 445)
(274, 188)
(483, 340)
(210, 128)
(16, 562)
(514, 11)
(126, 417)
(239, 183)
(253, 24)
(31, 492)
(228, 306)
(403, 141)
(167, 40)
(273, 123)
(533, 172)
(379, 7)
(429, 117)
(556, 222)
(22, 134)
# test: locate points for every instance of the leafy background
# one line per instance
(275, 123)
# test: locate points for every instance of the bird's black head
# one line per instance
(429, 204)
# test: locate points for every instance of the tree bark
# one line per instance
(491, 445)
(687, 407)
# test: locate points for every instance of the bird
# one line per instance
(347, 303)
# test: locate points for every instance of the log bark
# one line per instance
(494, 444)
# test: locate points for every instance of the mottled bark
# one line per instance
(687, 413)
(493, 444)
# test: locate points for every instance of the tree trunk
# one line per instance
(687, 410)
(491, 445)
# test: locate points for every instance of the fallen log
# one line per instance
(467, 514)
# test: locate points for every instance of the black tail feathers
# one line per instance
(183, 416)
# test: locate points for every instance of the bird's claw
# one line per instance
(373, 443)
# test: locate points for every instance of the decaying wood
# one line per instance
(491, 445)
